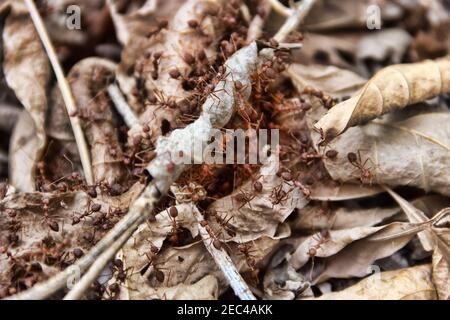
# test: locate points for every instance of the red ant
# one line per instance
(320, 238)
(224, 223)
(216, 243)
(163, 101)
(94, 208)
(52, 224)
(291, 181)
(163, 24)
(278, 195)
(244, 198)
(246, 249)
(174, 233)
(365, 173)
(119, 269)
(3, 190)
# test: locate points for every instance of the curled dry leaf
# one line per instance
(350, 252)
(137, 250)
(406, 284)
(364, 252)
(27, 72)
(89, 79)
(413, 152)
(392, 88)
(256, 214)
(337, 83)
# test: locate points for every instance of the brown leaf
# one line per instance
(441, 263)
(406, 284)
(383, 243)
(313, 217)
(337, 50)
(331, 80)
(32, 235)
(262, 215)
(384, 46)
(23, 153)
(421, 140)
(27, 72)
(89, 79)
(392, 88)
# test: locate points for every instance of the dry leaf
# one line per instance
(89, 79)
(336, 82)
(27, 72)
(313, 217)
(384, 46)
(350, 252)
(49, 238)
(338, 50)
(341, 192)
(392, 88)
(364, 252)
(422, 141)
(406, 284)
(23, 152)
(441, 264)
(259, 214)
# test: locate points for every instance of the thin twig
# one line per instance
(138, 213)
(98, 266)
(295, 18)
(255, 28)
(224, 262)
(280, 8)
(122, 106)
(65, 91)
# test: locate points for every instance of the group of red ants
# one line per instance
(272, 95)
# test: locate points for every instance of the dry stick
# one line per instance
(280, 8)
(138, 213)
(65, 91)
(99, 265)
(295, 18)
(224, 262)
(255, 28)
(122, 106)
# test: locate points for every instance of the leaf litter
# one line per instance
(357, 183)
